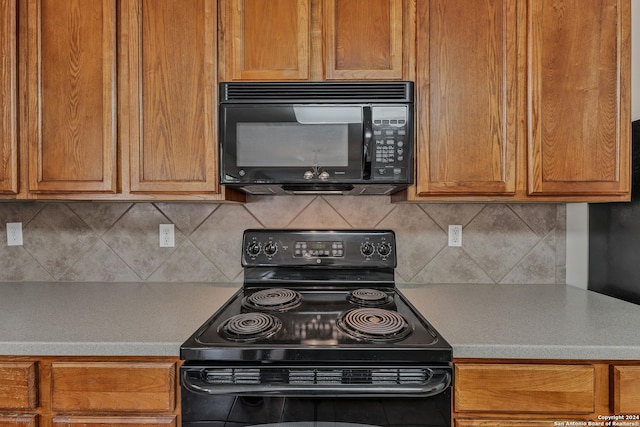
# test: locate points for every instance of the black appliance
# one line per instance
(614, 239)
(318, 335)
(316, 137)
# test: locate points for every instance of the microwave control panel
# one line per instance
(390, 155)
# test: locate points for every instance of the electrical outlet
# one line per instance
(14, 234)
(167, 236)
(455, 235)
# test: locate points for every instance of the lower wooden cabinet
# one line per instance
(543, 393)
(79, 421)
(18, 389)
(18, 420)
(625, 389)
(89, 391)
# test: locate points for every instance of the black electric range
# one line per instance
(318, 315)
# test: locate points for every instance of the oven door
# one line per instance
(334, 397)
(288, 144)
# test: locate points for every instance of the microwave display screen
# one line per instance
(292, 144)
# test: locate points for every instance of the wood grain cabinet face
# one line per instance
(525, 388)
(71, 96)
(8, 98)
(168, 95)
(18, 420)
(18, 385)
(363, 39)
(113, 386)
(625, 397)
(81, 421)
(266, 39)
(578, 106)
(466, 108)
(313, 39)
(511, 422)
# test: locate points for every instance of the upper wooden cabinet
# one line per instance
(527, 101)
(8, 97)
(578, 122)
(315, 39)
(466, 104)
(71, 96)
(121, 99)
(168, 95)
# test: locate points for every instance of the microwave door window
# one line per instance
(292, 145)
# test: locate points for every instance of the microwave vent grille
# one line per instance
(317, 91)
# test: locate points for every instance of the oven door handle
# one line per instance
(437, 383)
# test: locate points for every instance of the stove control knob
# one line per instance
(270, 248)
(384, 249)
(253, 248)
(367, 249)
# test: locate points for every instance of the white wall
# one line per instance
(578, 214)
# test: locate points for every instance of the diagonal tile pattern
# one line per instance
(118, 242)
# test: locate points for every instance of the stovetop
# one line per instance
(317, 296)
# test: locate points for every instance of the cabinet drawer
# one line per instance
(165, 421)
(18, 389)
(626, 389)
(510, 423)
(18, 420)
(113, 386)
(525, 388)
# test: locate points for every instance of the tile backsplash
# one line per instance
(118, 242)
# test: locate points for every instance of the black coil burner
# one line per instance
(374, 324)
(276, 299)
(248, 327)
(369, 297)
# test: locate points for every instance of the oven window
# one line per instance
(292, 144)
(263, 411)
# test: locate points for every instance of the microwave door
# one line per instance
(284, 144)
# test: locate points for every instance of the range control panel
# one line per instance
(343, 248)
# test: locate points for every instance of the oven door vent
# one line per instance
(314, 381)
(318, 376)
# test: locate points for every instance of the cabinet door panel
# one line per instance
(18, 420)
(164, 421)
(568, 389)
(71, 91)
(266, 39)
(511, 423)
(8, 98)
(168, 95)
(466, 110)
(113, 386)
(578, 119)
(18, 388)
(363, 39)
(626, 389)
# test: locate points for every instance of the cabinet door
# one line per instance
(71, 95)
(168, 95)
(8, 98)
(525, 388)
(466, 103)
(513, 423)
(578, 107)
(18, 388)
(18, 420)
(113, 386)
(363, 39)
(162, 421)
(265, 39)
(626, 389)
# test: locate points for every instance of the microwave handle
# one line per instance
(367, 138)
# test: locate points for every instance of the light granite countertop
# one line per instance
(153, 319)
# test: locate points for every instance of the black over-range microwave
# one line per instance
(316, 137)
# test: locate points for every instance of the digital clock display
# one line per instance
(316, 249)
